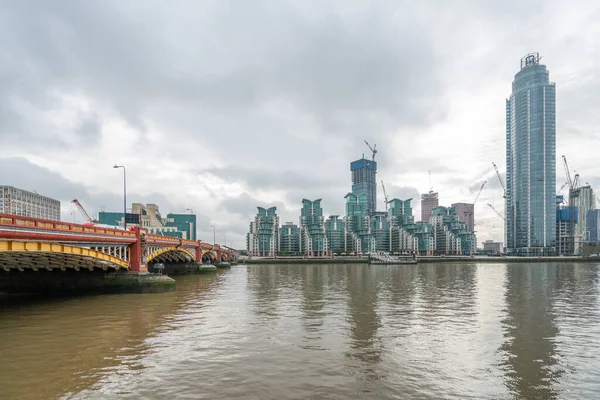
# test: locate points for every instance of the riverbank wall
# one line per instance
(428, 260)
(69, 282)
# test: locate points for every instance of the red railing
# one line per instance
(60, 226)
(57, 227)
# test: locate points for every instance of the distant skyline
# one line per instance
(223, 109)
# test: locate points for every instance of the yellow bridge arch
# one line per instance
(210, 253)
(170, 253)
(35, 255)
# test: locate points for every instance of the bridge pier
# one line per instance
(71, 282)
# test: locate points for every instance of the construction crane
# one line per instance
(562, 187)
(497, 212)
(86, 216)
(385, 196)
(373, 149)
(500, 179)
(573, 193)
(469, 210)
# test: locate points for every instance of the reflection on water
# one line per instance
(531, 360)
(455, 331)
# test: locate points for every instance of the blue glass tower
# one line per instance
(364, 182)
(531, 161)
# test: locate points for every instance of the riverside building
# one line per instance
(531, 161)
(28, 204)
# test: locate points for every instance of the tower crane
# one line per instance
(373, 149)
(500, 179)
(497, 212)
(86, 216)
(385, 196)
(470, 210)
(573, 193)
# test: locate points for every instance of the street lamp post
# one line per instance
(124, 194)
(225, 237)
(214, 235)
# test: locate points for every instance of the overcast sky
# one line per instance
(222, 106)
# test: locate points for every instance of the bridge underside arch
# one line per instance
(208, 255)
(50, 256)
(171, 254)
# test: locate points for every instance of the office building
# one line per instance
(263, 238)
(593, 225)
(466, 213)
(491, 247)
(289, 239)
(313, 241)
(531, 161)
(184, 223)
(364, 182)
(584, 200)
(429, 201)
(23, 203)
(148, 216)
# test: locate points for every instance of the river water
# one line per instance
(430, 331)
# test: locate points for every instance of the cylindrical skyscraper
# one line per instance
(531, 161)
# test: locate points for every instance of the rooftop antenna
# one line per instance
(430, 187)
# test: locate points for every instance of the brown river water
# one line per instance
(427, 331)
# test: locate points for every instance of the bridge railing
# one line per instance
(170, 239)
(15, 221)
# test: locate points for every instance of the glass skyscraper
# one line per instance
(364, 182)
(531, 160)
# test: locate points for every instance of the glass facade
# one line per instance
(184, 223)
(531, 161)
(312, 225)
(110, 218)
(593, 224)
(289, 239)
(584, 201)
(335, 230)
(364, 181)
(263, 238)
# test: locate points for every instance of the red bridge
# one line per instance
(29, 243)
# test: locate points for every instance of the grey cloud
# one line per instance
(352, 76)
(404, 193)
(245, 205)
(47, 183)
(269, 178)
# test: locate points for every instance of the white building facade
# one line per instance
(23, 203)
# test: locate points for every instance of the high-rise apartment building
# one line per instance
(584, 201)
(313, 241)
(335, 230)
(593, 226)
(364, 181)
(565, 225)
(466, 213)
(263, 238)
(531, 160)
(429, 201)
(289, 239)
(28, 204)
